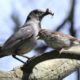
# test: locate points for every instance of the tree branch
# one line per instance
(48, 66)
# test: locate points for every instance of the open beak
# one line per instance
(37, 37)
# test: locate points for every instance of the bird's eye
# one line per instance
(35, 12)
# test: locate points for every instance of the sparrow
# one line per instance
(25, 39)
(58, 40)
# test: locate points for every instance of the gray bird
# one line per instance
(24, 40)
(58, 40)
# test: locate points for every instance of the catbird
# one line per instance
(24, 40)
(58, 40)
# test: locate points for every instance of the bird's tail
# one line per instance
(1, 52)
(0, 49)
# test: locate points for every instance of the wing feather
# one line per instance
(21, 35)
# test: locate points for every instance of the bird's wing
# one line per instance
(60, 34)
(21, 35)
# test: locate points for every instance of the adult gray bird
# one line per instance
(24, 40)
(58, 40)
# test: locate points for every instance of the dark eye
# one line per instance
(36, 12)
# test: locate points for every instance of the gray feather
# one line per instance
(21, 35)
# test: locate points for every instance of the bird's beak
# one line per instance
(37, 37)
(49, 12)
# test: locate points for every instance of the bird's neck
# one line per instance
(36, 24)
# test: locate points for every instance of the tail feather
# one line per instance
(1, 52)
(2, 56)
(0, 49)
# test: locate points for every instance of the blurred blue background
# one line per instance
(13, 14)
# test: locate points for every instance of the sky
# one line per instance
(22, 9)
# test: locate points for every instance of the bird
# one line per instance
(58, 40)
(25, 39)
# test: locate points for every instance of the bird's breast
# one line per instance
(58, 43)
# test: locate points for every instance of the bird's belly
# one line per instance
(58, 44)
(24, 48)
(55, 45)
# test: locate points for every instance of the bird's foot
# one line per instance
(25, 57)
(30, 59)
(62, 50)
(14, 56)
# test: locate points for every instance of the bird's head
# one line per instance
(44, 34)
(39, 14)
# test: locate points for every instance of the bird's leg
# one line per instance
(14, 56)
(29, 58)
(25, 57)
(62, 50)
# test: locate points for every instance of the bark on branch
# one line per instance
(48, 66)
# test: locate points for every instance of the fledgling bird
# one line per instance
(58, 40)
(24, 40)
